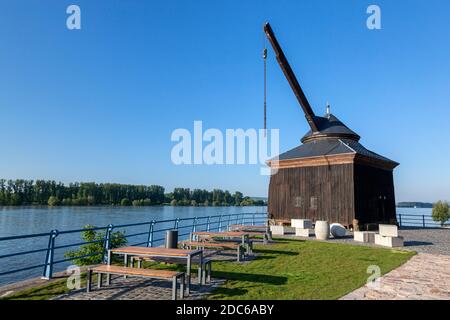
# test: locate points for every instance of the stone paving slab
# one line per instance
(424, 277)
(133, 288)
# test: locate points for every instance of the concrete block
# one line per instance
(299, 232)
(388, 230)
(301, 223)
(390, 242)
(281, 230)
(364, 236)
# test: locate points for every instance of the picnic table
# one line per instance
(253, 230)
(243, 236)
(161, 252)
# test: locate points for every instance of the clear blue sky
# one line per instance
(100, 104)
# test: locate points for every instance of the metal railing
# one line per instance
(149, 234)
(418, 221)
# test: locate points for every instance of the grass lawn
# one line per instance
(304, 270)
(290, 269)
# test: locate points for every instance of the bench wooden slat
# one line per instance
(136, 271)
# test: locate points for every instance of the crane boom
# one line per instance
(290, 76)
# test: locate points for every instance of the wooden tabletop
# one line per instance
(247, 227)
(154, 251)
(221, 234)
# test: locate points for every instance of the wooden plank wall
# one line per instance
(292, 192)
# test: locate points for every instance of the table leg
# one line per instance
(200, 269)
(182, 287)
(188, 274)
(100, 280)
(125, 262)
(108, 276)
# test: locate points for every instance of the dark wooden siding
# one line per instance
(374, 195)
(292, 192)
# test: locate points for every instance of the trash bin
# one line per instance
(171, 239)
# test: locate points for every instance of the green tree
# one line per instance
(441, 212)
(53, 201)
(125, 202)
(92, 253)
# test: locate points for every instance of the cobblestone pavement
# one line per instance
(424, 276)
(133, 288)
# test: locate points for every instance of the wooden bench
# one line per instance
(136, 272)
(216, 245)
(206, 265)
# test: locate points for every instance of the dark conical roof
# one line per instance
(333, 138)
(330, 127)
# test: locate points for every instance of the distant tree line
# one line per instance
(43, 192)
(414, 205)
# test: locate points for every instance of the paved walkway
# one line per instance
(435, 241)
(134, 288)
(425, 276)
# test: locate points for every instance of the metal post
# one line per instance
(48, 268)
(400, 219)
(208, 224)
(194, 225)
(220, 223)
(177, 221)
(107, 243)
(253, 219)
(423, 220)
(150, 234)
(228, 223)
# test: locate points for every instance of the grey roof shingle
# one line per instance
(330, 146)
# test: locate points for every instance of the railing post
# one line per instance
(400, 219)
(229, 220)
(150, 234)
(48, 268)
(423, 220)
(220, 223)
(107, 244)
(194, 225)
(208, 223)
(253, 219)
(177, 222)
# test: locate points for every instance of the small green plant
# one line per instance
(441, 212)
(92, 253)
